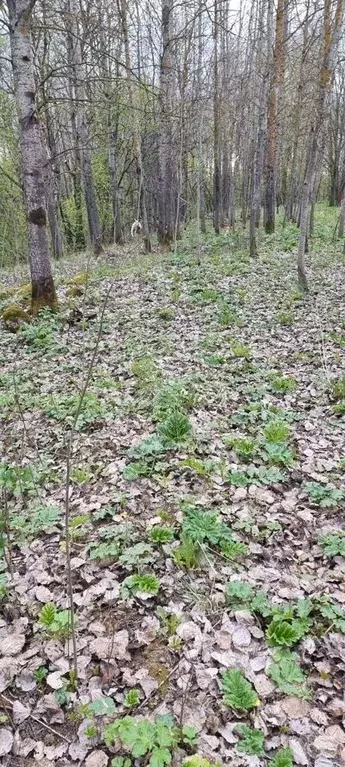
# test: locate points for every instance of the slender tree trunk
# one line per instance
(118, 232)
(78, 228)
(272, 116)
(330, 44)
(216, 126)
(342, 215)
(122, 6)
(166, 228)
(32, 154)
(48, 146)
(201, 170)
(52, 209)
(257, 177)
(79, 77)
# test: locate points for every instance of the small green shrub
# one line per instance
(132, 698)
(278, 454)
(285, 319)
(233, 550)
(179, 395)
(146, 372)
(276, 432)
(35, 520)
(169, 621)
(256, 476)
(238, 693)
(140, 553)
(333, 544)
(176, 428)
(245, 448)
(201, 468)
(285, 633)
(201, 525)
(137, 469)
(226, 315)
(282, 384)
(149, 448)
(140, 584)
(161, 534)
(252, 740)
(187, 554)
(64, 408)
(241, 350)
(198, 761)
(153, 741)
(339, 408)
(283, 758)
(55, 622)
(324, 495)
(337, 389)
(166, 314)
(40, 674)
(287, 674)
(107, 550)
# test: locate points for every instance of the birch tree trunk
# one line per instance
(32, 154)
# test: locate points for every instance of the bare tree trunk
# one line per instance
(216, 126)
(342, 215)
(48, 145)
(122, 6)
(291, 198)
(330, 44)
(32, 154)
(118, 232)
(200, 176)
(257, 176)
(75, 171)
(55, 232)
(79, 77)
(272, 115)
(166, 228)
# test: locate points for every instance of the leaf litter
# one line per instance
(175, 435)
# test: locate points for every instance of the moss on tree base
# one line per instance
(43, 295)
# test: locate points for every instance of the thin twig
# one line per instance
(38, 721)
(161, 684)
(8, 548)
(68, 481)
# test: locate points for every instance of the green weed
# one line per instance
(252, 740)
(238, 693)
(135, 585)
(325, 496)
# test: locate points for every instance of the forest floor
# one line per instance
(207, 515)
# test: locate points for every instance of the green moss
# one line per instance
(79, 279)
(24, 291)
(14, 312)
(74, 291)
(6, 292)
(13, 316)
